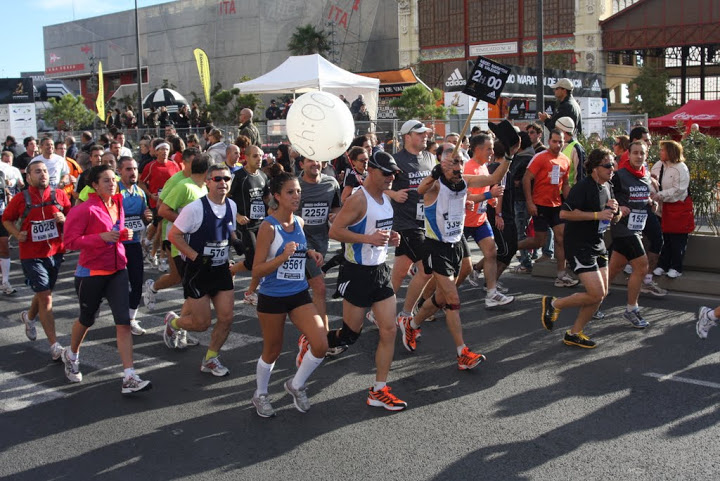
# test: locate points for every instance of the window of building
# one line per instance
(501, 24)
(692, 89)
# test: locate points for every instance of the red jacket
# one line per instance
(83, 227)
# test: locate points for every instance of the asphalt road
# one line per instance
(643, 405)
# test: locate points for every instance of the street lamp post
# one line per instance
(140, 116)
(540, 92)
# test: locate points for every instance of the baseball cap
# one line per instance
(413, 126)
(563, 83)
(383, 161)
(566, 124)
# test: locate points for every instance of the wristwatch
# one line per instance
(499, 214)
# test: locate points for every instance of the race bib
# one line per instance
(455, 216)
(453, 227)
(555, 175)
(218, 251)
(257, 210)
(293, 269)
(637, 219)
(42, 230)
(481, 207)
(134, 223)
(315, 214)
(420, 211)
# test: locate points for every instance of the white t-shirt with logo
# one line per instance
(56, 166)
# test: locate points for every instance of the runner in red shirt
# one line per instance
(41, 246)
(549, 171)
(152, 180)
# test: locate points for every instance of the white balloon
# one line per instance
(320, 126)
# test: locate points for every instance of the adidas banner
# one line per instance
(486, 80)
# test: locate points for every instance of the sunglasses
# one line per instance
(610, 165)
(219, 178)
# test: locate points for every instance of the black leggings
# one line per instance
(92, 289)
(135, 272)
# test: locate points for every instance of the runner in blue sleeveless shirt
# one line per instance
(280, 258)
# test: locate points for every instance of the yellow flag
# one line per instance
(100, 102)
(203, 66)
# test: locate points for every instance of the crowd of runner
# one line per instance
(200, 214)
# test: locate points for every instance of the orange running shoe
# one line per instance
(385, 399)
(409, 335)
(468, 359)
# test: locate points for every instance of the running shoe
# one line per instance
(56, 351)
(499, 299)
(336, 351)
(385, 399)
(214, 366)
(628, 269)
(499, 286)
(549, 314)
(133, 384)
(154, 261)
(371, 317)
(704, 323)
(72, 368)
(303, 346)
(262, 406)
(413, 270)
(409, 334)
(635, 319)
(415, 310)
(579, 340)
(522, 270)
(185, 340)
(599, 315)
(673, 274)
(170, 335)
(250, 298)
(148, 295)
(659, 271)
(468, 359)
(565, 281)
(30, 329)
(163, 266)
(474, 278)
(136, 329)
(7, 289)
(653, 288)
(300, 399)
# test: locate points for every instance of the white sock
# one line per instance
(129, 372)
(648, 278)
(54, 345)
(712, 315)
(460, 349)
(631, 307)
(133, 313)
(560, 274)
(308, 365)
(152, 288)
(492, 292)
(5, 265)
(413, 325)
(73, 356)
(263, 376)
(378, 385)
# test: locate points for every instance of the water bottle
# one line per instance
(603, 225)
(116, 228)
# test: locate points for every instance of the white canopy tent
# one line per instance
(305, 73)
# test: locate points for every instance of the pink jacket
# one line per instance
(83, 227)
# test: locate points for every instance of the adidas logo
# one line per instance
(455, 79)
(596, 85)
(492, 95)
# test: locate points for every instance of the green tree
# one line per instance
(69, 113)
(308, 40)
(225, 105)
(417, 102)
(649, 93)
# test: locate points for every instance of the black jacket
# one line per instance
(567, 108)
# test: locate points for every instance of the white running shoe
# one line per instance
(499, 299)
(214, 366)
(136, 329)
(133, 384)
(673, 274)
(474, 278)
(56, 351)
(7, 289)
(704, 323)
(163, 266)
(653, 289)
(659, 271)
(148, 295)
(499, 286)
(251, 299)
(170, 335)
(30, 329)
(72, 368)
(262, 406)
(628, 269)
(566, 281)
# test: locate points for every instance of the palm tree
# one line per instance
(308, 40)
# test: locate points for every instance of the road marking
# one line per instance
(671, 377)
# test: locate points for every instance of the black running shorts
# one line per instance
(363, 286)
